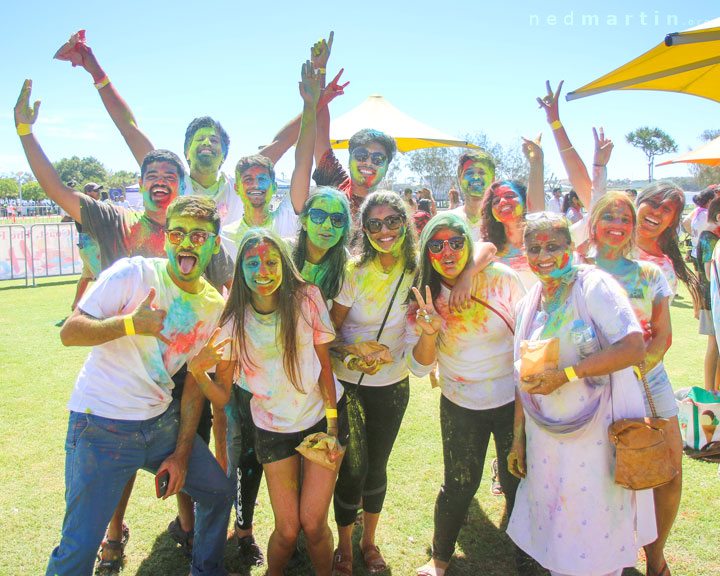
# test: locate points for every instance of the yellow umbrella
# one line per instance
(707, 154)
(379, 114)
(686, 62)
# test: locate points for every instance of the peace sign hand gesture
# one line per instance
(332, 90)
(427, 318)
(603, 147)
(549, 102)
(209, 355)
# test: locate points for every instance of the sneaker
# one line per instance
(495, 486)
(249, 552)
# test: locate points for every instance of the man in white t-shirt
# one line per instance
(475, 172)
(554, 203)
(144, 318)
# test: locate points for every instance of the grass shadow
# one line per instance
(43, 285)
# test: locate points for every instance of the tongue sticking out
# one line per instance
(187, 263)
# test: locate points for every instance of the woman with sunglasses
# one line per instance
(474, 351)
(612, 228)
(374, 294)
(320, 251)
(569, 513)
(280, 332)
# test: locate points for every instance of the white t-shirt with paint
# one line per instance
(475, 347)
(367, 291)
(130, 378)
(283, 221)
(229, 203)
(277, 405)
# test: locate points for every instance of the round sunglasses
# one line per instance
(437, 246)
(362, 155)
(318, 216)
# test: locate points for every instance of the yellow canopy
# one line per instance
(707, 154)
(378, 114)
(686, 62)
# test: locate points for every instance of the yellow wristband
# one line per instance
(129, 326)
(321, 70)
(636, 369)
(104, 81)
(330, 413)
(570, 373)
(24, 129)
(348, 358)
(556, 125)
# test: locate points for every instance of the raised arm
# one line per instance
(601, 157)
(25, 116)
(300, 181)
(536, 181)
(118, 109)
(574, 166)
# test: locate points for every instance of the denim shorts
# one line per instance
(275, 446)
(662, 393)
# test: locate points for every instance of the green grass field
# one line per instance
(38, 375)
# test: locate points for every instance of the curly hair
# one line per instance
(494, 231)
(207, 122)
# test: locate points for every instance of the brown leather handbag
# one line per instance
(642, 454)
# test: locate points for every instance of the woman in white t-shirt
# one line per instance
(474, 351)
(280, 331)
(374, 294)
(612, 229)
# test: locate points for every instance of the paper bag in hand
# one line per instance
(69, 51)
(316, 447)
(537, 356)
(370, 350)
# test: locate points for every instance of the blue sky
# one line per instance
(459, 66)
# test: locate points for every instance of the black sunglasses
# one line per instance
(374, 225)
(318, 216)
(197, 237)
(437, 246)
(362, 155)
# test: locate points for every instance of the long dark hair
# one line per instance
(660, 191)
(292, 291)
(392, 199)
(567, 201)
(427, 275)
(336, 257)
(494, 231)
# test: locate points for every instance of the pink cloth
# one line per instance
(70, 50)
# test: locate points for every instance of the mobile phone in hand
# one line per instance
(162, 480)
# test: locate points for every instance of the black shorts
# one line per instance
(275, 446)
(205, 424)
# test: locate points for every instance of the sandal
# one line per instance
(495, 486)
(374, 560)
(342, 565)
(113, 566)
(181, 536)
(665, 571)
(428, 570)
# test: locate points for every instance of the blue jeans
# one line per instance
(101, 455)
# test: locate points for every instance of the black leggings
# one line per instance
(242, 459)
(465, 438)
(374, 414)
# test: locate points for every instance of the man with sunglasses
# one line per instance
(371, 152)
(144, 318)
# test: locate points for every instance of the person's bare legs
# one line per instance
(370, 522)
(345, 541)
(434, 567)
(667, 499)
(114, 531)
(282, 478)
(317, 490)
(711, 363)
